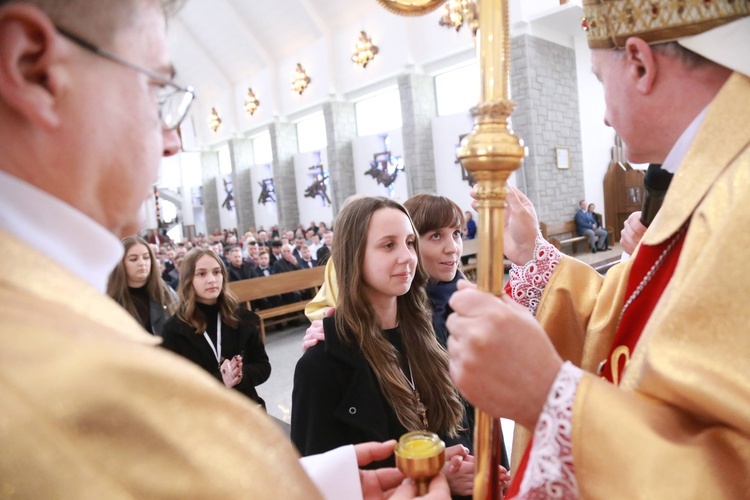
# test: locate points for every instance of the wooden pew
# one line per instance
(564, 233)
(276, 284)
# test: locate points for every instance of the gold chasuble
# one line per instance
(678, 425)
(91, 407)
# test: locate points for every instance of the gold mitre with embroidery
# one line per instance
(608, 23)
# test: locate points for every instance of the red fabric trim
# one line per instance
(635, 317)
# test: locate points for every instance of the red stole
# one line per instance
(632, 321)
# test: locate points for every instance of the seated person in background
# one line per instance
(251, 250)
(298, 242)
(210, 330)
(285, 264)
(381, 372)
(598, 220)
(275, 251)
(587, 226)
(264, 269)
(470, 230)
(238, 269)
(315, 245)
(306, 260)
(137, 286)
(324, 252)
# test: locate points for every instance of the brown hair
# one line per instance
(187, 312)
(430, 212)
(357, 325)
(158, 291)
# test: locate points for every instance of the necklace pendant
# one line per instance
(422, 410)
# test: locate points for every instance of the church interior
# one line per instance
(303, 103)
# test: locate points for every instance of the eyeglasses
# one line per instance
(174, 101)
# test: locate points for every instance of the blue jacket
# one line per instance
(584, 220)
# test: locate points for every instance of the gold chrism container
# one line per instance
(420, 455)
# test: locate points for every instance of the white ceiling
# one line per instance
(223, 46)
(235, 39)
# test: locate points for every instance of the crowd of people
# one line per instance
(611, 376)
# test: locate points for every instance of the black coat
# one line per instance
(284, 266)
(179, 337)
(337, 400)
(245, 271)
(323, 254)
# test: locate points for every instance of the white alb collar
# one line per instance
(58, 230)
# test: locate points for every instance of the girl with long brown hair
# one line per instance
(381, 371)
(137, 286)
(212, 331)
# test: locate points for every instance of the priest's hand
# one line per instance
(632, 232)
(438, 490)
(521, 226)
(379, 483)
(500, 357)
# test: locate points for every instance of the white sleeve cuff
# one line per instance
(550, 472)
(335, 473)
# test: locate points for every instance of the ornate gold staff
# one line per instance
(491, 153)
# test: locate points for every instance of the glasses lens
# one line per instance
(174, 106)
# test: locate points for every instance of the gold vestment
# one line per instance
(90, 407)
(678, 426)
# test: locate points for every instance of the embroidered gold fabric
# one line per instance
(608, 23)
(679, 424)
(90, 407)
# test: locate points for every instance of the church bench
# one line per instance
(277, 284)
(564, 233)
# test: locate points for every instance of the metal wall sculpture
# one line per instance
(384, 168)
(228, 202)
(319, 185)
(267, 192)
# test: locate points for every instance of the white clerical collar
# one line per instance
(680, 148)
(58, 230)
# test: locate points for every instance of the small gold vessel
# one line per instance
(420, 455)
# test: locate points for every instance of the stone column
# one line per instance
(241, 152)
(341, 128)
(544, 86)
(284, 146)
(418, 107)
(186, 208)
(211, 174)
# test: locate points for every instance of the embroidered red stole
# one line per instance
(632, 321)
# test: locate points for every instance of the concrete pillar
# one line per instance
(418, 107)
(188, 217)
(284, 146)
(241, 152)
(211, 175)
(341, 128)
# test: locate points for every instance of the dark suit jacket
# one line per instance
(337, 400)
(258, 272)
(179, 337)
(305, 265)
(324, 253)
(245, 271)
(272, 258)
(284, 266)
